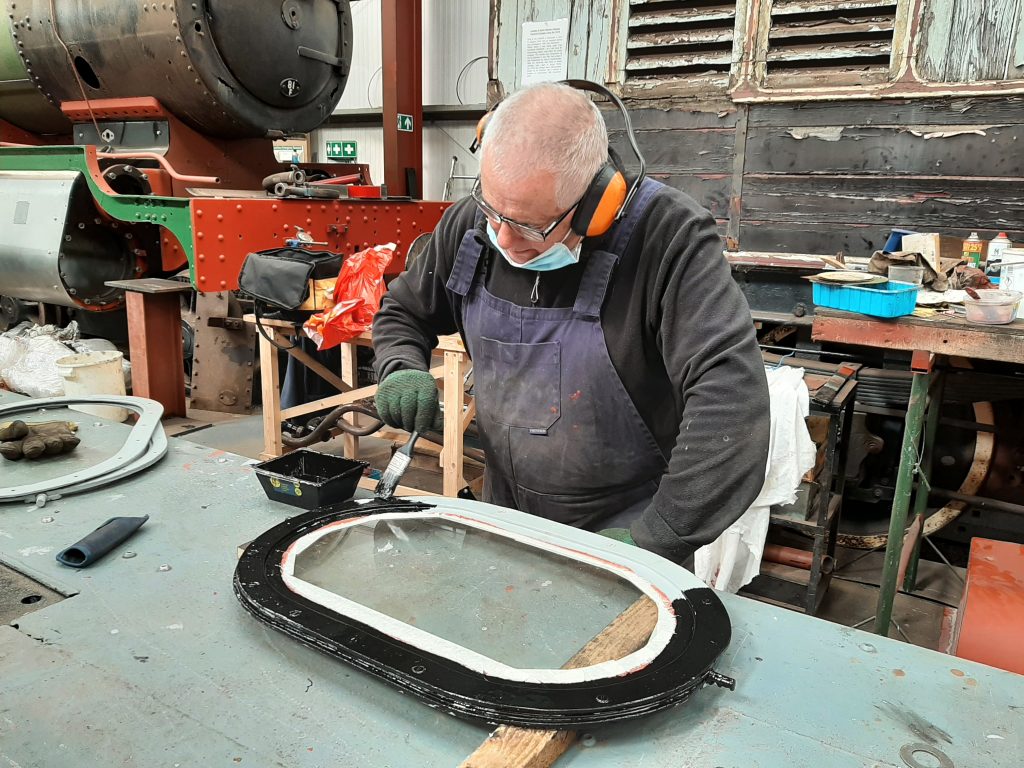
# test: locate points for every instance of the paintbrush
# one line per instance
(395, 469)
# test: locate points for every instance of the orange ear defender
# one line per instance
(481, 125)
(601, 203)
(609, 193)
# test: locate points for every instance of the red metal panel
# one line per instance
(944, 337)
(110, 109)
(226, 230)
(402, 83)
(15, 135)
(990, 623)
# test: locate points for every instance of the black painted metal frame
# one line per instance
(702, 633)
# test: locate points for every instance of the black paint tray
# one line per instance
(310, 479)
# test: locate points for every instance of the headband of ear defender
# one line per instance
(609, 193)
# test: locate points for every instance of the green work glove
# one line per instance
(408, 400)
(619, 534)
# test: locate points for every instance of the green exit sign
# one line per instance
(342, 150)
(405, 123)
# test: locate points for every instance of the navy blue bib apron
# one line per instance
(562, 437)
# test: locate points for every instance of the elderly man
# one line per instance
(619, 385)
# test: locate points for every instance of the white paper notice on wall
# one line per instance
(545, 51)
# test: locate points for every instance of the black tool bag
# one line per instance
(279, 281)
(280, 278)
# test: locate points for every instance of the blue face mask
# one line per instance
(555, 257)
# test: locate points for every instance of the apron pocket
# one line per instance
(589, 509)
(519, 385)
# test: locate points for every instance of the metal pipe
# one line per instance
(352, 178)
(979, 501)
(163, 164)
(795, 558)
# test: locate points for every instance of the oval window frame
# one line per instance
(691, 631)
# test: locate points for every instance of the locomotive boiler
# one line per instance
(135, 138)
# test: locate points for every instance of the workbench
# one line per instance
(150, 661)
(459, 411)
(926, 339)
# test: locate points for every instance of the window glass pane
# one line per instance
(509, 601)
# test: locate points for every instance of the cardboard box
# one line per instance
(941, 251)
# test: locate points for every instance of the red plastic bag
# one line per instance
(357, 296)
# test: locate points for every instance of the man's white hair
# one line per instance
(548, 127)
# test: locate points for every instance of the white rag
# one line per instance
(734, 559)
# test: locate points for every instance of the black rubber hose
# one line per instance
(331, 420)
(98, 543)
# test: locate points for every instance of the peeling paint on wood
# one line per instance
(790, 7)
(677, 60)
(710, 190)
(970, 42)
(838, 27)
(679, 37)
(825, 133)
(814, 173)
(691, 151)
(893, 113)
(829, 51)
(993, 151)
(935, 205)
(682, 16)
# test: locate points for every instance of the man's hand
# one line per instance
(408, 400)
(619, 534)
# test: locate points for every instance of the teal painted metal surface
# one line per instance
(901, 500)
(171, 213)
(154, 667)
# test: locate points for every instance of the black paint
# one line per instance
(702, 633)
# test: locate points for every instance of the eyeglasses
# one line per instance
(523, 230)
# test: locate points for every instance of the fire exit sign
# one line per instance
(342, 150)
(405, 123)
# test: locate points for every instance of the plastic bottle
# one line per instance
(996, 246)
(973, 247)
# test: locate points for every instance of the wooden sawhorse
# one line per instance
(451, 372)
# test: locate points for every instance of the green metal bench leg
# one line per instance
(931, 425)
(904, 490)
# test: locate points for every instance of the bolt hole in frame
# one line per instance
(476, 608)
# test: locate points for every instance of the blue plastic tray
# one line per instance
(889, 299)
